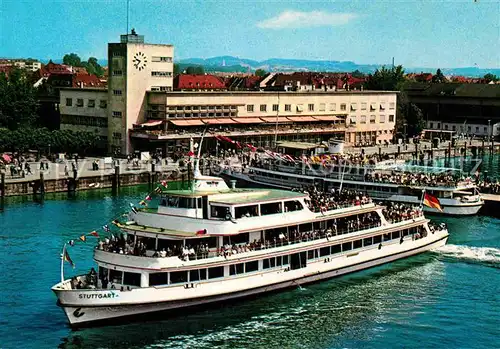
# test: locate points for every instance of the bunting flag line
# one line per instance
(83, 238)
(158, 190)
(106, 228)
(148, 198)
(201, 232)
(71, 242)
(96, 234)
(143, 203)
(164, 183)
(132, 207)
(67, 258)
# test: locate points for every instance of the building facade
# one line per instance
(143, 113)
(134, 68)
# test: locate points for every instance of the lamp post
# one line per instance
(405, 124)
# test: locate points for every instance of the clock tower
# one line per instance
(134, 67)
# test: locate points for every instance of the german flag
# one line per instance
(67, 258)
(432, 201)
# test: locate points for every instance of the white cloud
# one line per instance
(297, 19)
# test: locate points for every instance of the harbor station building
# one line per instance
(141, 110)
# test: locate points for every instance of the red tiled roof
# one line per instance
(87, 80)
(197, 82)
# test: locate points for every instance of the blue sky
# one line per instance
(418, 33)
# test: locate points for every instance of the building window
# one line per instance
(91, 103)
(343, 107)
(322, 107)
(431, 125)
(69, 102)
(263, 107)
(382, 106)
(117, 114)
(363, 106)
(333, 106)
(477, 128)
(275, 107)
(250, 108)
(382, 118)
(161, 88)
(311, 107)
(391, 118)
(117, 72)
(117, 54)
(373, 107)
(103, 104)
(392, 105)
(288, 107)
(354, 106)
(372, 119)
(485, 130)
(117, 135)
(160, 74)
(117, 92)
(454, 128)
(363, 119)
(300, 108)
(162, 59)
(79, 102)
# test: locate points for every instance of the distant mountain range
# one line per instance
(235, 64)
(288, 65)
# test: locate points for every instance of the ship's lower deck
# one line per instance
(87, 308)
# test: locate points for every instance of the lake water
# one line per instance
(448, 298)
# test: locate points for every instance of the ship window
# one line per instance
(311, 254)
(377, 239)
(251, 266)
(236, 269)
(336, 249)
(149, 242)
(115, 276)
(218, 211)
(347, 246)
(196, 275)
(236, 239)
(265, 264)
(211, 241)
(216, 272)
(324, 251)
(368, 241)
(270, 208)
(357, 244)
(178, 277)
(293, 205)
(246, 211)
(132, 279)
(169, 245)
(284, 260)
(395, 235)
(272, 262)
(158, 279)
(103, 272)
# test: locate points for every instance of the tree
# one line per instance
(357, 74)
(439, 77)
(18, 105)
(72, 59)
(386, 79)
(260, 72)
(490, 77)
(177, 69)
(93, 67)
(407, 113)
(195, 70)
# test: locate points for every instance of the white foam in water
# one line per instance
(487, 255)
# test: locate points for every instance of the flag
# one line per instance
(96, 234)
(106, 228)
(71, 242)
(132, 207)
(148, 198)
(158, 190)
(252, 148)
(164, 183)
(190, 154)
(432, 201)
(83, 238)
(67, 258)
(201, 232)
(115, 222)
(142, 203)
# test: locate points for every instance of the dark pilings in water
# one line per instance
(115, 180)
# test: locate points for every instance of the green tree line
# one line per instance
(91, 65)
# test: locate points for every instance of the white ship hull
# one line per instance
(89, 307)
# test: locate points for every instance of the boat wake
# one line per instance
(489, 256)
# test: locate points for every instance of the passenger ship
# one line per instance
(462, 199)
(210, 243)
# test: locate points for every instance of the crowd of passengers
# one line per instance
(410, 178)
(489, 186)
(396, 212)
(320, 201)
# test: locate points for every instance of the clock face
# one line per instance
(139, 61)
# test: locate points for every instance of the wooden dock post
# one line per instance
(2, 185)
(42, 183)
